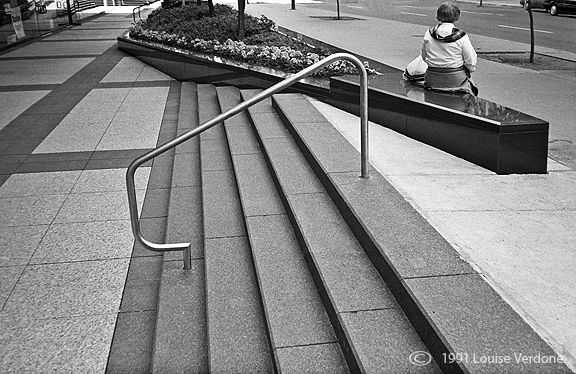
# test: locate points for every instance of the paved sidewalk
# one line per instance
(75, 111)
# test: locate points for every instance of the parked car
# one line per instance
(556, 7)
(534, 4)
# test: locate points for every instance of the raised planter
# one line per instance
(202, 68)
(487, 134)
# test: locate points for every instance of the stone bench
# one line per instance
(495, 137)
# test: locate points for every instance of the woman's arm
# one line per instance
(469, 54)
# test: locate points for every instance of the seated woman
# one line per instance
(449, 54)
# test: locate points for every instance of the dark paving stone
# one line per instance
(154, 230)
(350, 278)
(38, 167)
(257, 190)
(215, 155)
(384, 341)
(294, 310)
(185, 223)
(132, 345)
(188, 119)
(155, 203)
(264, 106)
(142, 282)
(320, 359)
(333, 153)
(160, 176)
(291, 166)
(21, 146)
(214, 133)
(474, 321)
(298, 108)
(189, 146)
(401, 235)
(13, 132)
(59, 157)
(222, 213)
(180, 341)
(236, 328)
(186, 170)
(241, 139)
(269, 125)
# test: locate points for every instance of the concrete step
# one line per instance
(180, 337)
(299, 265)
(372, 330)
(464, 323)
(301, 336)
(236, 329)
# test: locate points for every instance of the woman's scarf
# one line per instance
(456, 34)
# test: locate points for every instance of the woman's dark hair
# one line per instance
(448, 12)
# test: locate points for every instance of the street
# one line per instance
(501, 22)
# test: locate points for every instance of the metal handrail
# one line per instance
(130, 184)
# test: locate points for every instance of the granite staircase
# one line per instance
(299, 265)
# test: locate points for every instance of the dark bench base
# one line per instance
(495, 137)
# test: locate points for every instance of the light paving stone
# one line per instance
(41, 71)
(534, 271)
(84, 241)
(79, 131)
(14, 103)
(133, 127)
(67, 290)
(126, 70)
(39, 184)
(65, 345)
(553, 191)
(109, 180)
(79, 34)
(103, 95)
(61, 49)
(394, 152)
(47, 66)
(155, 94)
(312, 359)
(18, 243)
(97, 206)
(8, 278)
(151, 74)
(29, 210)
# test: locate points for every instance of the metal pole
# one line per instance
(70, 22)
(364, 151)
(293, 5)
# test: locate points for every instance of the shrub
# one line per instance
(190, 27)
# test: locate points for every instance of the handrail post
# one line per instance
(130, 173)
(187, 253)
(364, 142)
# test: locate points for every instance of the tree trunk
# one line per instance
(241, 7)
(211, 8)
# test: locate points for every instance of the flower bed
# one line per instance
(264, 44)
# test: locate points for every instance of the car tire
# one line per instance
(553, 10)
